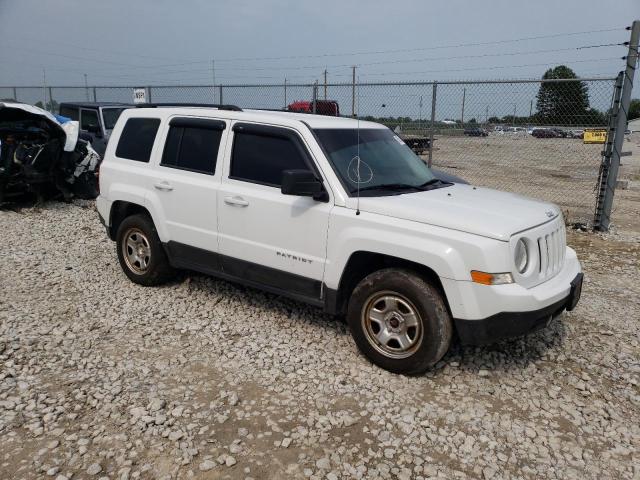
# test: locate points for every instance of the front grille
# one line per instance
(551, 250)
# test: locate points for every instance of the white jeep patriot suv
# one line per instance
(338, 213)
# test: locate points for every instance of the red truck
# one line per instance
(323, 107)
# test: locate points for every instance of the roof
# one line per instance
(266, 116)
(96, 104)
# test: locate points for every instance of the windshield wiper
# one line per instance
(433, 181)
(390, 186)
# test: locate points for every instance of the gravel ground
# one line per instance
(101, 378)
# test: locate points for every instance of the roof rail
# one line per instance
(207, 105)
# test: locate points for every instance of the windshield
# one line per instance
(385, 161)
(110, 117)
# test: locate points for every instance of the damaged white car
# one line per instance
(41, 156)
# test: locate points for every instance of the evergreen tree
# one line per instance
(563, 103)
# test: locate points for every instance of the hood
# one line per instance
(476, 210)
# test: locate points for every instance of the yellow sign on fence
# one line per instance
(595, 135)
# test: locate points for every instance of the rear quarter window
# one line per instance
(70, 112)
(136, 139)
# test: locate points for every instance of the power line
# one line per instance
(406, 50)
(345, 66)
(297, 57)
(384, 74)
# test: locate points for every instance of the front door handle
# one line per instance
(236, 201)
(163, 186)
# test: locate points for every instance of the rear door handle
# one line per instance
(236, 201)
(163, 186)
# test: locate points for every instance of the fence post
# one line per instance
(617, 126)
(149, 92)
(315, 97)
(95, 98)
(285, 94)
(15, 93)
(220, 94)
(433, 123)
(50, 100)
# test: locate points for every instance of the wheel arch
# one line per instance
(362, 263)
(121, 209)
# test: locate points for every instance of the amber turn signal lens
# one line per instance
(481, 277)
(485, 278)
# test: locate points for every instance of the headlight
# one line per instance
(521, 256)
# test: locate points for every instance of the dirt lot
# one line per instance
(560, 170)
(101, 378)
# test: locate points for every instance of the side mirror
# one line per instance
(302, 183)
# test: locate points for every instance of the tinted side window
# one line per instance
(194, 149)
(136, 139)
(69, 112)
(262, 158)
(89, 118)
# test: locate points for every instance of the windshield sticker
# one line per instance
(358, 171)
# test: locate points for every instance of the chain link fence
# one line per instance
(523, 136)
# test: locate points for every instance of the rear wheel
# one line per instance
(399, 321)
(140, 252)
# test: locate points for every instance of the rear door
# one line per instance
(268, 238)
(185, 183)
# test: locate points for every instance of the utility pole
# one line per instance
(617, 126)
(44, 89)
(325, 83)
(86, 86)
(353, 93)
(464, 94)
(315, 98)
(213, 79)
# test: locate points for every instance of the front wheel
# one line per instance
(399, 321)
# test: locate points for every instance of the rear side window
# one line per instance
(261, 158)
(89, 119)
(136, 139)
(192, 148)
(69, 112)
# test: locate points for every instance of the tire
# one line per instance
(399, 321)
(148, 264)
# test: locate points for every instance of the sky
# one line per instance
(170, 42)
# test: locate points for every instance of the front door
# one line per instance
(265, 237)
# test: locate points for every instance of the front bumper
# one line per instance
(514, 324)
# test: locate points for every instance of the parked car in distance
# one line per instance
(476, 132)
(97, 120)
(323, 107)
(575, 133)
(337, 213)
(544, 133)
(560, 133)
